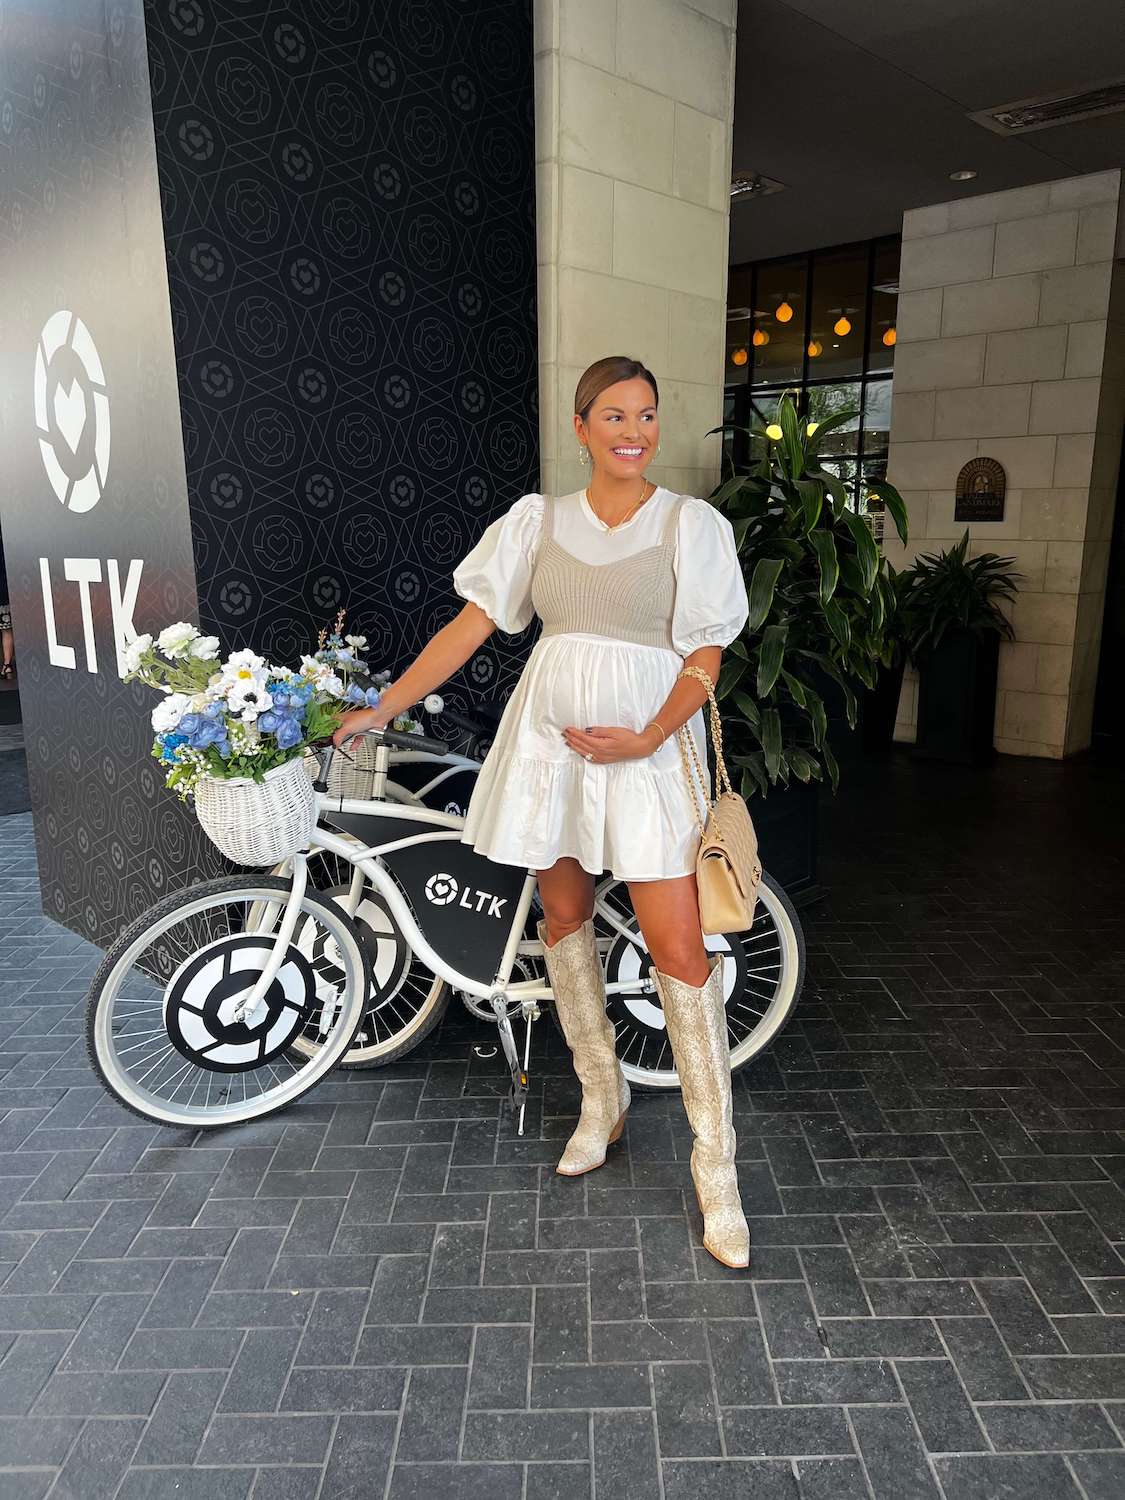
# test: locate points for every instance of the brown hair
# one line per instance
(606, 372)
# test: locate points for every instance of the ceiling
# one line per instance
(860, 107)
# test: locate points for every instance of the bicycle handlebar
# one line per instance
(398, 740)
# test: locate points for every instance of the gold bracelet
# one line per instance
(652, 724)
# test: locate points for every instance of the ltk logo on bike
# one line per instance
(443, 889)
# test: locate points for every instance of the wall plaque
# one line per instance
(981, 486)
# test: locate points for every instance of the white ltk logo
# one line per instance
(72, 425)
(71, 411)
(442, 889)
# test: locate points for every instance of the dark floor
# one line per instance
(385, 1293)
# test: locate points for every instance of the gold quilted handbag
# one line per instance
(727, 867)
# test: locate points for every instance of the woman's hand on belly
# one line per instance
(605, 745)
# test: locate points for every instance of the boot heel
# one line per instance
(615, 1133)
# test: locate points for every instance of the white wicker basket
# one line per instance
(259, 822)
(354, 777)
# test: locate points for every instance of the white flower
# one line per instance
(175, 640)
(245, 664)
(248, 699)
(282, 674)
(205, 647)
(169, 711)
(357, 642)
(135, 650)
(433, 703)
(330, 684)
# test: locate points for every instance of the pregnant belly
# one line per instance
(580, 679)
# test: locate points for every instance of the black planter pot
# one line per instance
(847, 743)
(880, 708)
(957, 699)
(786, 823)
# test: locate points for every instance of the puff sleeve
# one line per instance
(711, 606)
(496, 574)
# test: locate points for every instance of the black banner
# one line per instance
(92, 489)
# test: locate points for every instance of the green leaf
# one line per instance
(838, 622)
(770, 658)
(831, 765)
(771, 742)
(827, 424)
(866, 551)
(824, 545)
(731, 673)
(812, 500)
(748, 708)
(791, 436)
(796, 688)
(834, 485)
(762, 586)
(894, 504)
(803, 765)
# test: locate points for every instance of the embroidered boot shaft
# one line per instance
(697, 1028)
(575, 971)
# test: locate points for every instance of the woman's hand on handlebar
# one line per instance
(360, 721)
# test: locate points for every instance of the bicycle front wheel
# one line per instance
(158, 1023)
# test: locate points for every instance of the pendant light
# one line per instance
(784, 312)
(842, 326)
(890, 338)
(816, 348)
(760, 337)
(739, 356)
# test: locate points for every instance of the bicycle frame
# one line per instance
(367, 860)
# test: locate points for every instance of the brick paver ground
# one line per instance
(384, 1292)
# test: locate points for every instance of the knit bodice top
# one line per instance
(629, 599)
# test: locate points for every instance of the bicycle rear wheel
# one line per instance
(763, 973)
(157, 1024)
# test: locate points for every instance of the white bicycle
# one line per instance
(229, 1000)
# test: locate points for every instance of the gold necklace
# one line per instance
(618, 524)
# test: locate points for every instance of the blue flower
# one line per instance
(289, 733)
(171, 744)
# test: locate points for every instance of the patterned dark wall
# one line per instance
(348, 199)
(92, 479)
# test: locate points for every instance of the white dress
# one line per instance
(536, 799)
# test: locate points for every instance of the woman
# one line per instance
(632, 583)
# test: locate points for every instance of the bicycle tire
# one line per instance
(741, 1056)
(151, 918)
(432, 1009)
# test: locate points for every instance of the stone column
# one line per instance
(1010, 346)
(633, 109)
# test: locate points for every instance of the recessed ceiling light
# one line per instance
(966, 174)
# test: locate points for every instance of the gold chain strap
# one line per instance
(688, 746)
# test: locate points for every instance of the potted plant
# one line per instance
(820, 599)
(954, 624)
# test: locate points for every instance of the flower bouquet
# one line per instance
(339, 671)
(234, 734)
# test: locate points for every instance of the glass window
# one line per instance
(826, 401)
(739, 325)
(839, 313)
(822, 327)
(884, 308)
(876, 417)
(777, 338)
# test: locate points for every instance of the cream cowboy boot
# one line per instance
(697, 1029)
(575, 972)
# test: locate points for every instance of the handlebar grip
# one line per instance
(403, 741)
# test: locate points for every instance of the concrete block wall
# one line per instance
(1010, 347)
(634, 102)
